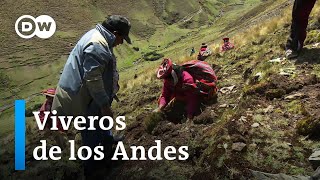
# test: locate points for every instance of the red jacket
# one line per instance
(227, 46)
(187, 95)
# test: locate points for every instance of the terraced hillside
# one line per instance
(29, 66)
(264, 109)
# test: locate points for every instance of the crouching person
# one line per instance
(204, 52)
(58, 136)
(185, 86)
(227, 45)
(46, 107)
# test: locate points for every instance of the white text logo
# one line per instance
(43, 26)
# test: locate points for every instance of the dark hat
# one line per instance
(204, 45)
(120, 24)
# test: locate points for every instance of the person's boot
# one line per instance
(108, 143)
(290, 54)
(117, 138)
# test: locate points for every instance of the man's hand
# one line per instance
(106, 111)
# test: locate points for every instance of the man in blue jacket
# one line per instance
(89, 80)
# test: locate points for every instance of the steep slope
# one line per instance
(263, 112)
(29, 66)
(258, 111)
(73, 18)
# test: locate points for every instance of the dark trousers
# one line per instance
(93, 138)
(300, 14)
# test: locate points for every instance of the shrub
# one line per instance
(4, 80)
(152, 56)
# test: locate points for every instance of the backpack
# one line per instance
(204, 76)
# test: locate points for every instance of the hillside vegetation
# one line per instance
(265, 107)
(29, 66)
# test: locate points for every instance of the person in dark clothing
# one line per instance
(89, 82)
(300, 14)
(192, 51)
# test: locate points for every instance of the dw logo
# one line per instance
(43, 26)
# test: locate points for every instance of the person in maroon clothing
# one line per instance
(60, 135)
(300, 14)
(175, 89)
(226, 45)
(204, 52)
(46, 106)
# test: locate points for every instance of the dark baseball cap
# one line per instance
(120, 24)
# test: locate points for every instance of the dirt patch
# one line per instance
(206, 117)
(309, 125)
(278, 86)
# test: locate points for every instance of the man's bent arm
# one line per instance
(94, 66)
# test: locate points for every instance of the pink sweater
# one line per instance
(169, 91)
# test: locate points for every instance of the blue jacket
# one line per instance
(88, 73)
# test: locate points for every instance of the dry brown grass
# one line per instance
(145, 75)
(270, 26)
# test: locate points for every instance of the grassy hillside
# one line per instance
(267, 112)
(271, 114)
(29, 66)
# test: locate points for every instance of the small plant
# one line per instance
(295, 107)
(309, 126)
(32, 108)
(152, 121)
(4, 80)
(275, 93)
(258, 88)
(152, 56)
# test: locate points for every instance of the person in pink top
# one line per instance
(60, 135)
(46, 106)
(227, 45)
(204, 52)
(176, 87)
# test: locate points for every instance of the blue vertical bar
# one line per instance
(20, 134)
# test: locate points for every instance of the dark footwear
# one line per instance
(116, 139)
(290, 54)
